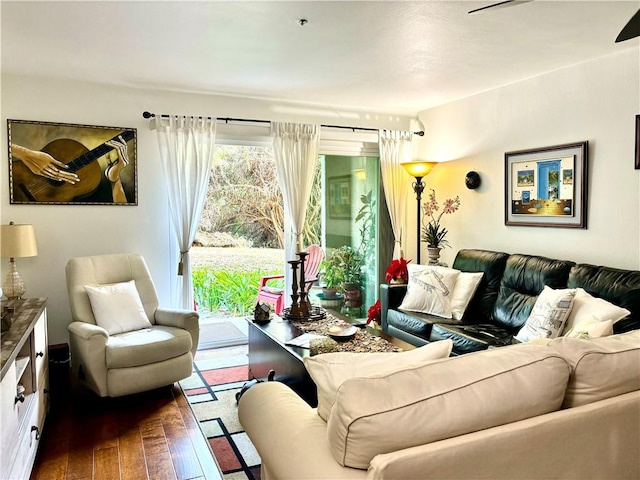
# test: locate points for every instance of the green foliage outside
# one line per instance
(244, 202)
(244, 198)
(233, 291)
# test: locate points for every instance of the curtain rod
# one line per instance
(229, 119)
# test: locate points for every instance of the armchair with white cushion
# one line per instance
(121, 342)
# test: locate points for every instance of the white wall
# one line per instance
(595, 101)
(67, 231)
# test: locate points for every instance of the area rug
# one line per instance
(211, 390)
(217, 334)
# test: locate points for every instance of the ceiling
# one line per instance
(387, 56)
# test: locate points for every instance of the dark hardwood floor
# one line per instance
(152, 435)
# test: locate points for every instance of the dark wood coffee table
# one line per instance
(268, 352)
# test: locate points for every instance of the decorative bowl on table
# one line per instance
(343, 334)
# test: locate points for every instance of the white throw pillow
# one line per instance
(330, 370)
(593, 327)
(117, 307)
(585, 305)
(466, 285)
(549, 314)
(430, 290)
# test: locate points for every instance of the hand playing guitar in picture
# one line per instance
(43, 164)
(65, 170)
(115, 166)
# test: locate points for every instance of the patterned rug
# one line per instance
(219, 374)
(222, 332)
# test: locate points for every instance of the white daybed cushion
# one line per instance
(117, 307)
(434, 401)
(549, 314)
(602, 367)
(330, 370)
(593, 327)
(586, 305)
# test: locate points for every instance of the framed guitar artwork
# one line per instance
(69, 164)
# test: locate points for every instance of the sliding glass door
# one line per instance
(354, 214)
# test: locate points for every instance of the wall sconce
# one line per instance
(16, 241)
(418, 170)
(472, 180)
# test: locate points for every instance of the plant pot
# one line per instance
(352, 295)
(330, 293)
(333, 303)
(434, 255)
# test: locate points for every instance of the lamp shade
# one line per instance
(18, 241)
(418, 169)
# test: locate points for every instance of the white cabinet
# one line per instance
(24, 398)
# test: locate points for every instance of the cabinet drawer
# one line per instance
(41, 356)
(29, 439)
(9, 419)
(43, 398)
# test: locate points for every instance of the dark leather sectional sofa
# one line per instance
(501, 305)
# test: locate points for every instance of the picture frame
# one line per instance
(547, 187)
(339, 197)
(71, 164)
(637, 142)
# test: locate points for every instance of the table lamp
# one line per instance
(16, 241)
(418, 170)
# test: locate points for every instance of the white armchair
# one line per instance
(158, 354)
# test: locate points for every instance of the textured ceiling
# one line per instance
(391, 56)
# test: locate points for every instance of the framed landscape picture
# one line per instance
(62, 163)
(547, 187)
(339, 200)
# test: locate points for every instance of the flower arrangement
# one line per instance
(373, 314)
(397, 272)
(433, 233)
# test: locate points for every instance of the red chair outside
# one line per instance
(275, 295)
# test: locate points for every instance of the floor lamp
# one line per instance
(418, 170)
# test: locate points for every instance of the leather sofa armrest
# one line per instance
(181, 318)
(391, 297)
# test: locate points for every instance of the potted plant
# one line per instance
(397, 271)
(331, 275)
(350, 263)
(342, 270)
(432, 232)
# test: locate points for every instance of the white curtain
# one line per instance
(186, 150)
(395, 148)
(295, 147)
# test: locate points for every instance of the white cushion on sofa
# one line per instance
(146, 346)
(593, 327)
(117, 307)
(549, 314)
(430, 290)
(602, 367)
(466, 285)
(585, 305)
(422, 404)
(330, 370)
